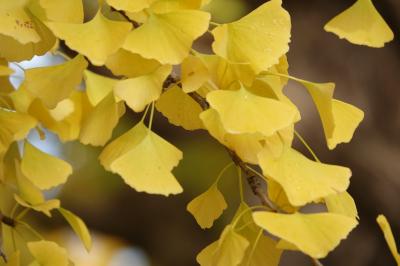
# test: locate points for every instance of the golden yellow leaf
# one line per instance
(229, 250)
(246, 145)
(180, 108)
(125, 63)
(44, 170)
(16, 22)
(99, 123)
(26, 189)
(14, 126)
(44, 207)
(48, 253)
(63, 109)
(341, 203)
(12, 50)
(302, 179)
(98, 86)
(5, 71)
(194, 74)
(174, 31)
(224, 73)
(14, 259)
(139, 92)
(259, 39)
(164, 6)
(78, 226)
(314, 234)
(387, 232)
(144, 160)
(278, 196)
(207, 207)
(70, 11)
(96, 39)
(55, 83)
(67, 129)
(243, 112)
(361, 24)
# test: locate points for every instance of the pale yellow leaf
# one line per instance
(43, 170)
(314, 234)
(180, 109)
(302, 179)
(361, 24)
(207, 207)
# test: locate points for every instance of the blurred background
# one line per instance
(132, 228)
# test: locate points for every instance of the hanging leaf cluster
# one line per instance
(236, 94)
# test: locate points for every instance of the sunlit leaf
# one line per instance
(96, 39)
(70, 11)
(207, 207)
(387, 232)
(139, 92)
(341, 203)
(361, 24)
(180, 109)
(78, 226)
(125, 63)
(48, 253)
(43, 170)
(302, 179)
(53, 84)
(144, 160)
(259, 39)
(168, 37)
(314, 234)
(243, 112)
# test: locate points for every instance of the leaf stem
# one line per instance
(306, 145)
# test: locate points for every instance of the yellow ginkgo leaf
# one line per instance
(26, 189)
(98, 86)
(43, 170)
(125, 63)
(346, 118)
(16, 22)
(245, 145)
(341, 203)
(67, 129)
(144, 160)
(302, 179)
(129, 5)
(314, 234)
(207, 207)
(63, 11)
(230, 250)
(262, 250)
(99, 123)
(243, 112)
(361, 24)
(63, 110)
(259, 39)
(13, 50)
(278, 196)
(180, 109)
(47, 253)
(84, 38)
(387, 232)
(224, 73)
(44, 207)
(174, 32)
(55, 83)
(194, 73)
(14, 126)
(78, 226)
(339, 119)
(139, 92)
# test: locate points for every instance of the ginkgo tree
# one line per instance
(236, 94)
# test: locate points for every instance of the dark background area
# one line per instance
(366, 77)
